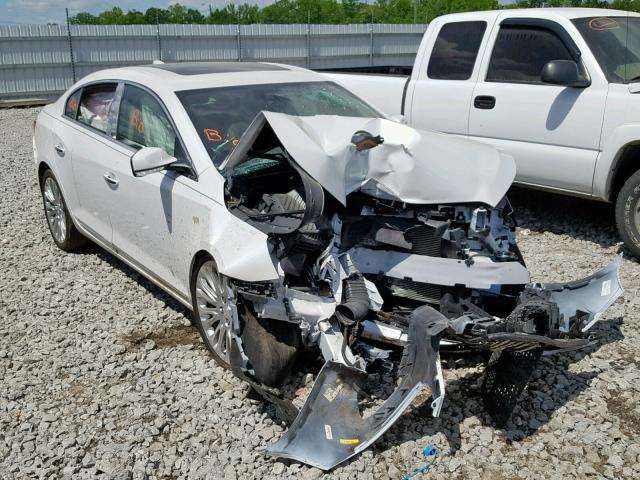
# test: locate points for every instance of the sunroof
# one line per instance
(203, 68)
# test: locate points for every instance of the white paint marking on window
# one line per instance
(606, 288)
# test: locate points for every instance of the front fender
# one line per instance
(239, 250)
(607, 162)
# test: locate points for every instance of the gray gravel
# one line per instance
(103, 377)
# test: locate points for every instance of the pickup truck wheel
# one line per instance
(271, 346)
(63, 231)
(628, 213)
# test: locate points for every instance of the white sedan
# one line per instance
(287, 213)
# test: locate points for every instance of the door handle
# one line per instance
(59, 149)
(110, 178)
(484, 102)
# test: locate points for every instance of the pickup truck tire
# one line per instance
(628, 213)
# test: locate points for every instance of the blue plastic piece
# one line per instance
(429, 451)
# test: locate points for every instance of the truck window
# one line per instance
(615, 42)
(455, 51)
(521, 52)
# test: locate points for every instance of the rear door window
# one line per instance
(521, 52)
(455, 51)
(71, 107)
(95, 104)
(142, 122)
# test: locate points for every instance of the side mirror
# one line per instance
(150, 160)
(566, 73)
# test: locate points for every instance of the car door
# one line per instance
(552, 131)
(85, 137)
(156, 218)
(446, 78)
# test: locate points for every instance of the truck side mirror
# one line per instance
(566, 73)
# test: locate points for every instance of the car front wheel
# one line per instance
(271, 346)
(628, 213)
(61, 225)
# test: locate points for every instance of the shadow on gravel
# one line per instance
(579, 218)
(154, 290)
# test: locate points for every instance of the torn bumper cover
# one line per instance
(330, 427)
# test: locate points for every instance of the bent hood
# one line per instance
(412, 166)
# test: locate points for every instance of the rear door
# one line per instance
(553, 132)
(439, 98)
(86, 138)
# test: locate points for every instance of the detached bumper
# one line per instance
(550, 318)
(330, 427)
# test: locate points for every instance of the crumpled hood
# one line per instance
(419, 167)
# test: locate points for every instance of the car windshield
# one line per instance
(615, 42)
(221, 115)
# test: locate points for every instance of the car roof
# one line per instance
(175, 77)
(548, 12)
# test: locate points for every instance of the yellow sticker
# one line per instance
(349, 441)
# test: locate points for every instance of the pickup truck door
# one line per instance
(553, 132)
(443, 79)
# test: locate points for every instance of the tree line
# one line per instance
(325, 11)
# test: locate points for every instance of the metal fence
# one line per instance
(44, 60)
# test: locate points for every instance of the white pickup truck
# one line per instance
(558, 89)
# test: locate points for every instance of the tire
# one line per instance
(63, 231)
(628, 213)
(270, 345)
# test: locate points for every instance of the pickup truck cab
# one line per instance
(556, 88)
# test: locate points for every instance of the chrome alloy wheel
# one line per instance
(54, 209)
(216, 309)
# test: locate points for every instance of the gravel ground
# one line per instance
(103, 376)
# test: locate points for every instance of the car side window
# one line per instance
(521, 52)
(95, 105)
(71, 107)
(142, 122)
(455, 51)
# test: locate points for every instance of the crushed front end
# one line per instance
(375, 253)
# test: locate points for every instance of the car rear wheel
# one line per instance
(628, 213)
(271, 346)
(61, 225)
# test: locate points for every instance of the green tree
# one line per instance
(318, 11)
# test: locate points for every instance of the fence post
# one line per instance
(73, 62)
(239, 42)
(371, 44)
(308, 45)
(158, 36)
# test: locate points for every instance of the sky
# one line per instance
(44, 11)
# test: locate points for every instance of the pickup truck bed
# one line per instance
(385, 92)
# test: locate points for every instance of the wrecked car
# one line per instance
(292, 217)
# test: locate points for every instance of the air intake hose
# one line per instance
(356, 301)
